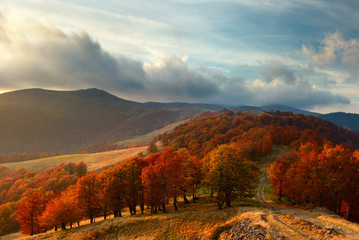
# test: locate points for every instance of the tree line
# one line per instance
(216, 154)
(321, 175)
(141, 183)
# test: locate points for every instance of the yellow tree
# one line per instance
(230, 175)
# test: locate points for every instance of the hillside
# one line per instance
(63, 122)
(211, 182)
(37, 120)
(201, 135)
(347, 120)
(94, 161)
(203, 221)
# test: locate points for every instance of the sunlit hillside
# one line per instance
(94, 161)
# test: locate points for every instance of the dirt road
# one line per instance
(294, 223)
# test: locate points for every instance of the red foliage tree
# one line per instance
(30, 211)
(62, 210)
(88, 192)
(277, 172)
(265, 145)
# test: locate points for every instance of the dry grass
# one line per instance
(12, 236)
(149, 136)
(201, 220)
(97, 161)
(94, 161)
(334, 219)
(192, 221)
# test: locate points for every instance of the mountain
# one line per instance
(282, 108)
(347, 120)
(177, 105)
(38, 120)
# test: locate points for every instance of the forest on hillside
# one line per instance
(214, 156)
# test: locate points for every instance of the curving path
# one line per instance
(289, 229)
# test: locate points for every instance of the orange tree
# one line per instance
(29, 212)
(62, 210)
(88, 192)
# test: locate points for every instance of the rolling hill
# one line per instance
(63, 122)
(94, 161)
(37, 120)
(346, 120)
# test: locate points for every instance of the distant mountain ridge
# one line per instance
(347, 120)
(38, 120)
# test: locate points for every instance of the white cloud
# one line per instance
(336, 52)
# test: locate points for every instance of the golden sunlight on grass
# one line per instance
(94, 161)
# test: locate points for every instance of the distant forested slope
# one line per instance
(37, 120)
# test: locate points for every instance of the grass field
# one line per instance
(149, 136)
(94, 161)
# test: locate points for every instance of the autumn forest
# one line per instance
(216, 156)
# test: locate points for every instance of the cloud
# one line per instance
(301, 94)
(335, 51)
(36, 54)
(273, 69)
(44, 56)
(171, 76)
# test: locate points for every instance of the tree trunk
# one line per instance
(175, 204)
(91, 219)
(164, 207)
(134, 210)
(219, 204)
(228, 203)
(63, 227)
(55, 228)
(142, 206)
(185, 199)
(70, 225)
(130, 209)
(105, 212)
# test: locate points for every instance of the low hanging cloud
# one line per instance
(35, 54)
(301, 95)
(282, 85)
(335, 51)
(274, 69)
(172, 77)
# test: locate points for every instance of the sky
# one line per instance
(298, 53)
